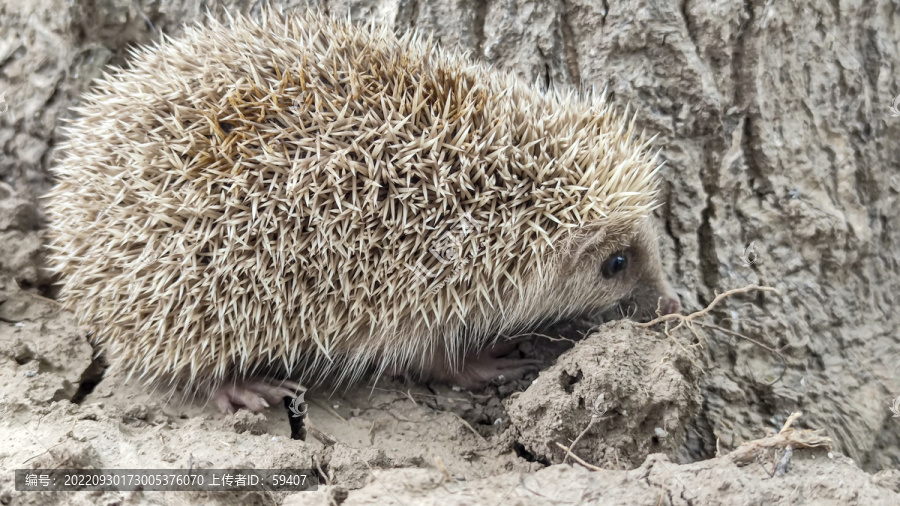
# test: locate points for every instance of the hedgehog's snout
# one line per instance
(647, 301)
(669, 305)
(651, 295)
(667, 301)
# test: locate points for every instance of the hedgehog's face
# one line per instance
(626, 274)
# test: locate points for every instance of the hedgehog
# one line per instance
(263, 203)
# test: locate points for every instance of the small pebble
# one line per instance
(18, 324)
(830, 455)
(498, 421)
(30, 374)
(660, 432)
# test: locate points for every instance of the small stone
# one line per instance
(246, 421)
(137, 412)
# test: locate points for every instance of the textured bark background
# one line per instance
(782, 168)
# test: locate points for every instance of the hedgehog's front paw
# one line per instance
(481, 368)
(253, 394)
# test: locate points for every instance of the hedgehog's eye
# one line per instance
(614, 265)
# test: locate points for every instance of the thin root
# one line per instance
(685, 320)
(688, 321)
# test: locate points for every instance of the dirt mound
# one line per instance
(626, 392)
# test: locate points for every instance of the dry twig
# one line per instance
(578, 459)
(467, 424)
(787, 437)
(329, 409)
(322, 437)
(596, 415)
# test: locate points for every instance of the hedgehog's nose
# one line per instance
(669, 304)
(668, 300)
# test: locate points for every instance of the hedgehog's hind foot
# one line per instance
(489, 364)
(253, 394)
(477, 374)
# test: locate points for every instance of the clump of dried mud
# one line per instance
(641, 391)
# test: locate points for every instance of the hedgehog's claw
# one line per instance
(481, 368)
(502, 347)
(478, 373)
(255, 395)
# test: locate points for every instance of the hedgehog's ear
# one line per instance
(583, 240)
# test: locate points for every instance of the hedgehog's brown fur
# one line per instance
(276, 195)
